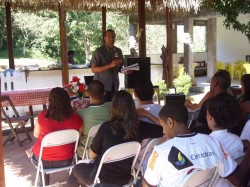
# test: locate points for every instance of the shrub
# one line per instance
(162, 86)
(182, 83)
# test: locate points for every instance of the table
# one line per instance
(78, 104)
(29, 98)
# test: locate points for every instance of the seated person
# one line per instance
(59, 116)
(245, 98)
(245, 134)
(71, 55)
(218, 87)
(172, 160)
(221, 117)
(144, 92)
(95, 113)
(122, 127)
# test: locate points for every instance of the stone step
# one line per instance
(199, 89)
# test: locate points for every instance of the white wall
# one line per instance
(156, 59)
(231, 45)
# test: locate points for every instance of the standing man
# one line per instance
(106, 63)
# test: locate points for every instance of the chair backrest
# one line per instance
(117, 153)
(247, 68)
(220, 65)
(193, 116)
(201, 178)
(61, 137)
(149, 147)
(91, 134)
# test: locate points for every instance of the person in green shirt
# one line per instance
(95, 113)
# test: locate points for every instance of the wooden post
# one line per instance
(104, 22)
(211, 47)
(63, 42)
(9, 35)
(169, 55)
(188, 50)
(142, 28)
(2, 178)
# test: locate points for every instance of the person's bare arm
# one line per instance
(37, 130)
(92, 155)
(241, 174)
(198, 105)
(98, 69)
(244, 110)
(143, 113)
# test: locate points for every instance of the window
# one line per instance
(199, 38)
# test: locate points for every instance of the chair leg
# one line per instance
(157, 90)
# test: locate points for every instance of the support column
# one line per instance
(2, 178)
(188, 49)
(9, 35)
(63, 42)
(211, 47)
(142, 28)
(104, 22)
(169, 55)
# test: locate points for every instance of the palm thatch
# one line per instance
(123, 6)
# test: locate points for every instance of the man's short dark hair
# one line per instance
(71, 52)
(95, 90)
(109, 30)
(223, 79)
(144, 89)
(176, 111)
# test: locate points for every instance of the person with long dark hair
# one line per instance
(122, 127)
(245, 99)
(59, 116)
(222, 117)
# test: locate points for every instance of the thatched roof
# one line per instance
(123, 6)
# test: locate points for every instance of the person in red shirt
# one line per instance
(59, 116)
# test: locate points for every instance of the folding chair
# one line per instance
(54, 139)
(16, 124)
(201, 178)
(117, 153)
(91, 134)
(193, 116)
(148, 148)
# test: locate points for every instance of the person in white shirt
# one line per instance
(144, 92)
(171, 161)
(245, 134)
(223, 115)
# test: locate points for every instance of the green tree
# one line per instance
(231, 10)
(3, 42)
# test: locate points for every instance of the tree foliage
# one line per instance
(39, 32)
(231, 10)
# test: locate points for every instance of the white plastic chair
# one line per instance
(117, 153)
(57, 138)
(201, 178)
(91, 134)
(193, 116)
(148, 148)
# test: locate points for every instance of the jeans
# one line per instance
(82, 174)
(49, 164)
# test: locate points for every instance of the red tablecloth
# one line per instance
(28, 97)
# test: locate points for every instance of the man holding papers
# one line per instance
(106, 63)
